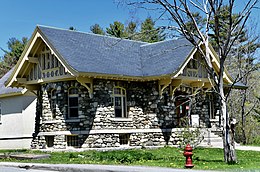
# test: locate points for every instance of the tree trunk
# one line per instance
(228, 131)
(243, 117)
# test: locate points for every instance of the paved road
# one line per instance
(89, 168)
(14, 169)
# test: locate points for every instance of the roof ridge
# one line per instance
(89, 33)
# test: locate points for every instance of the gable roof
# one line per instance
(91, 53)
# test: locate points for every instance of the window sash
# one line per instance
(73, 103)
(120, 102)
(72, 141)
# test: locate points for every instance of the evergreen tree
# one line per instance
(97, 29)
(11, 56)
(117, 29)
(149, 33)
(131, 31)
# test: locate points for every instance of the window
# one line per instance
(49, 141)
(53, 103)
(124, 139)
(120, 102)
(73, 103)
(72, 140)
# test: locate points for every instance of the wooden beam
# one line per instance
(207, 85)
(198, 85)
(26, 68)
(33, 60)
(21, 80)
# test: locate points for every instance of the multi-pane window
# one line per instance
(53, 103)
(72, 140)
(124, 139)
(120, 102)
(73, 103)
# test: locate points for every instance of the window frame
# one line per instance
(124, 139)
(70, 96)
(121, 96)
(72, 141)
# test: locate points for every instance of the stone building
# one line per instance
(96, 91)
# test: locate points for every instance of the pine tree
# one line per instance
(149, 33)
(97, 29)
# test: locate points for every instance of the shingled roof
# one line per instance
(91, 53)
(7, 90)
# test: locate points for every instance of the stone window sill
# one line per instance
(51, 121)
(121, 119)
(214, 120)
(72, 120)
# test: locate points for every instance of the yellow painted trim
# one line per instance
(83, 81)
(188, 58)
(67, 67)
(24, 57)
(164, 83)
(226, 75)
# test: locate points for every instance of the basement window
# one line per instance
(72, 141)
(124, 139)
(49, 141)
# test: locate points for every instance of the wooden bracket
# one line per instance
(33, 88)
(164, 83)
(198, 85)
(174, 85)
(85, 81)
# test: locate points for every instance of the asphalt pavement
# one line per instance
(87, 168)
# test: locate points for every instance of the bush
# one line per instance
(190, 136)
(256, 141)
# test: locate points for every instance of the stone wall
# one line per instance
(148, 115)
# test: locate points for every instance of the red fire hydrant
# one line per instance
(188, 154)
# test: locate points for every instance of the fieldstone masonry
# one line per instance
(151, 120)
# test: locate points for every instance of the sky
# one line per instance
(18, 18)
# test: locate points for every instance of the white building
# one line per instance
(17, 116)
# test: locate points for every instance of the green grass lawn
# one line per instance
(163, 157)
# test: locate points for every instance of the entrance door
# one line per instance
(182, 108)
